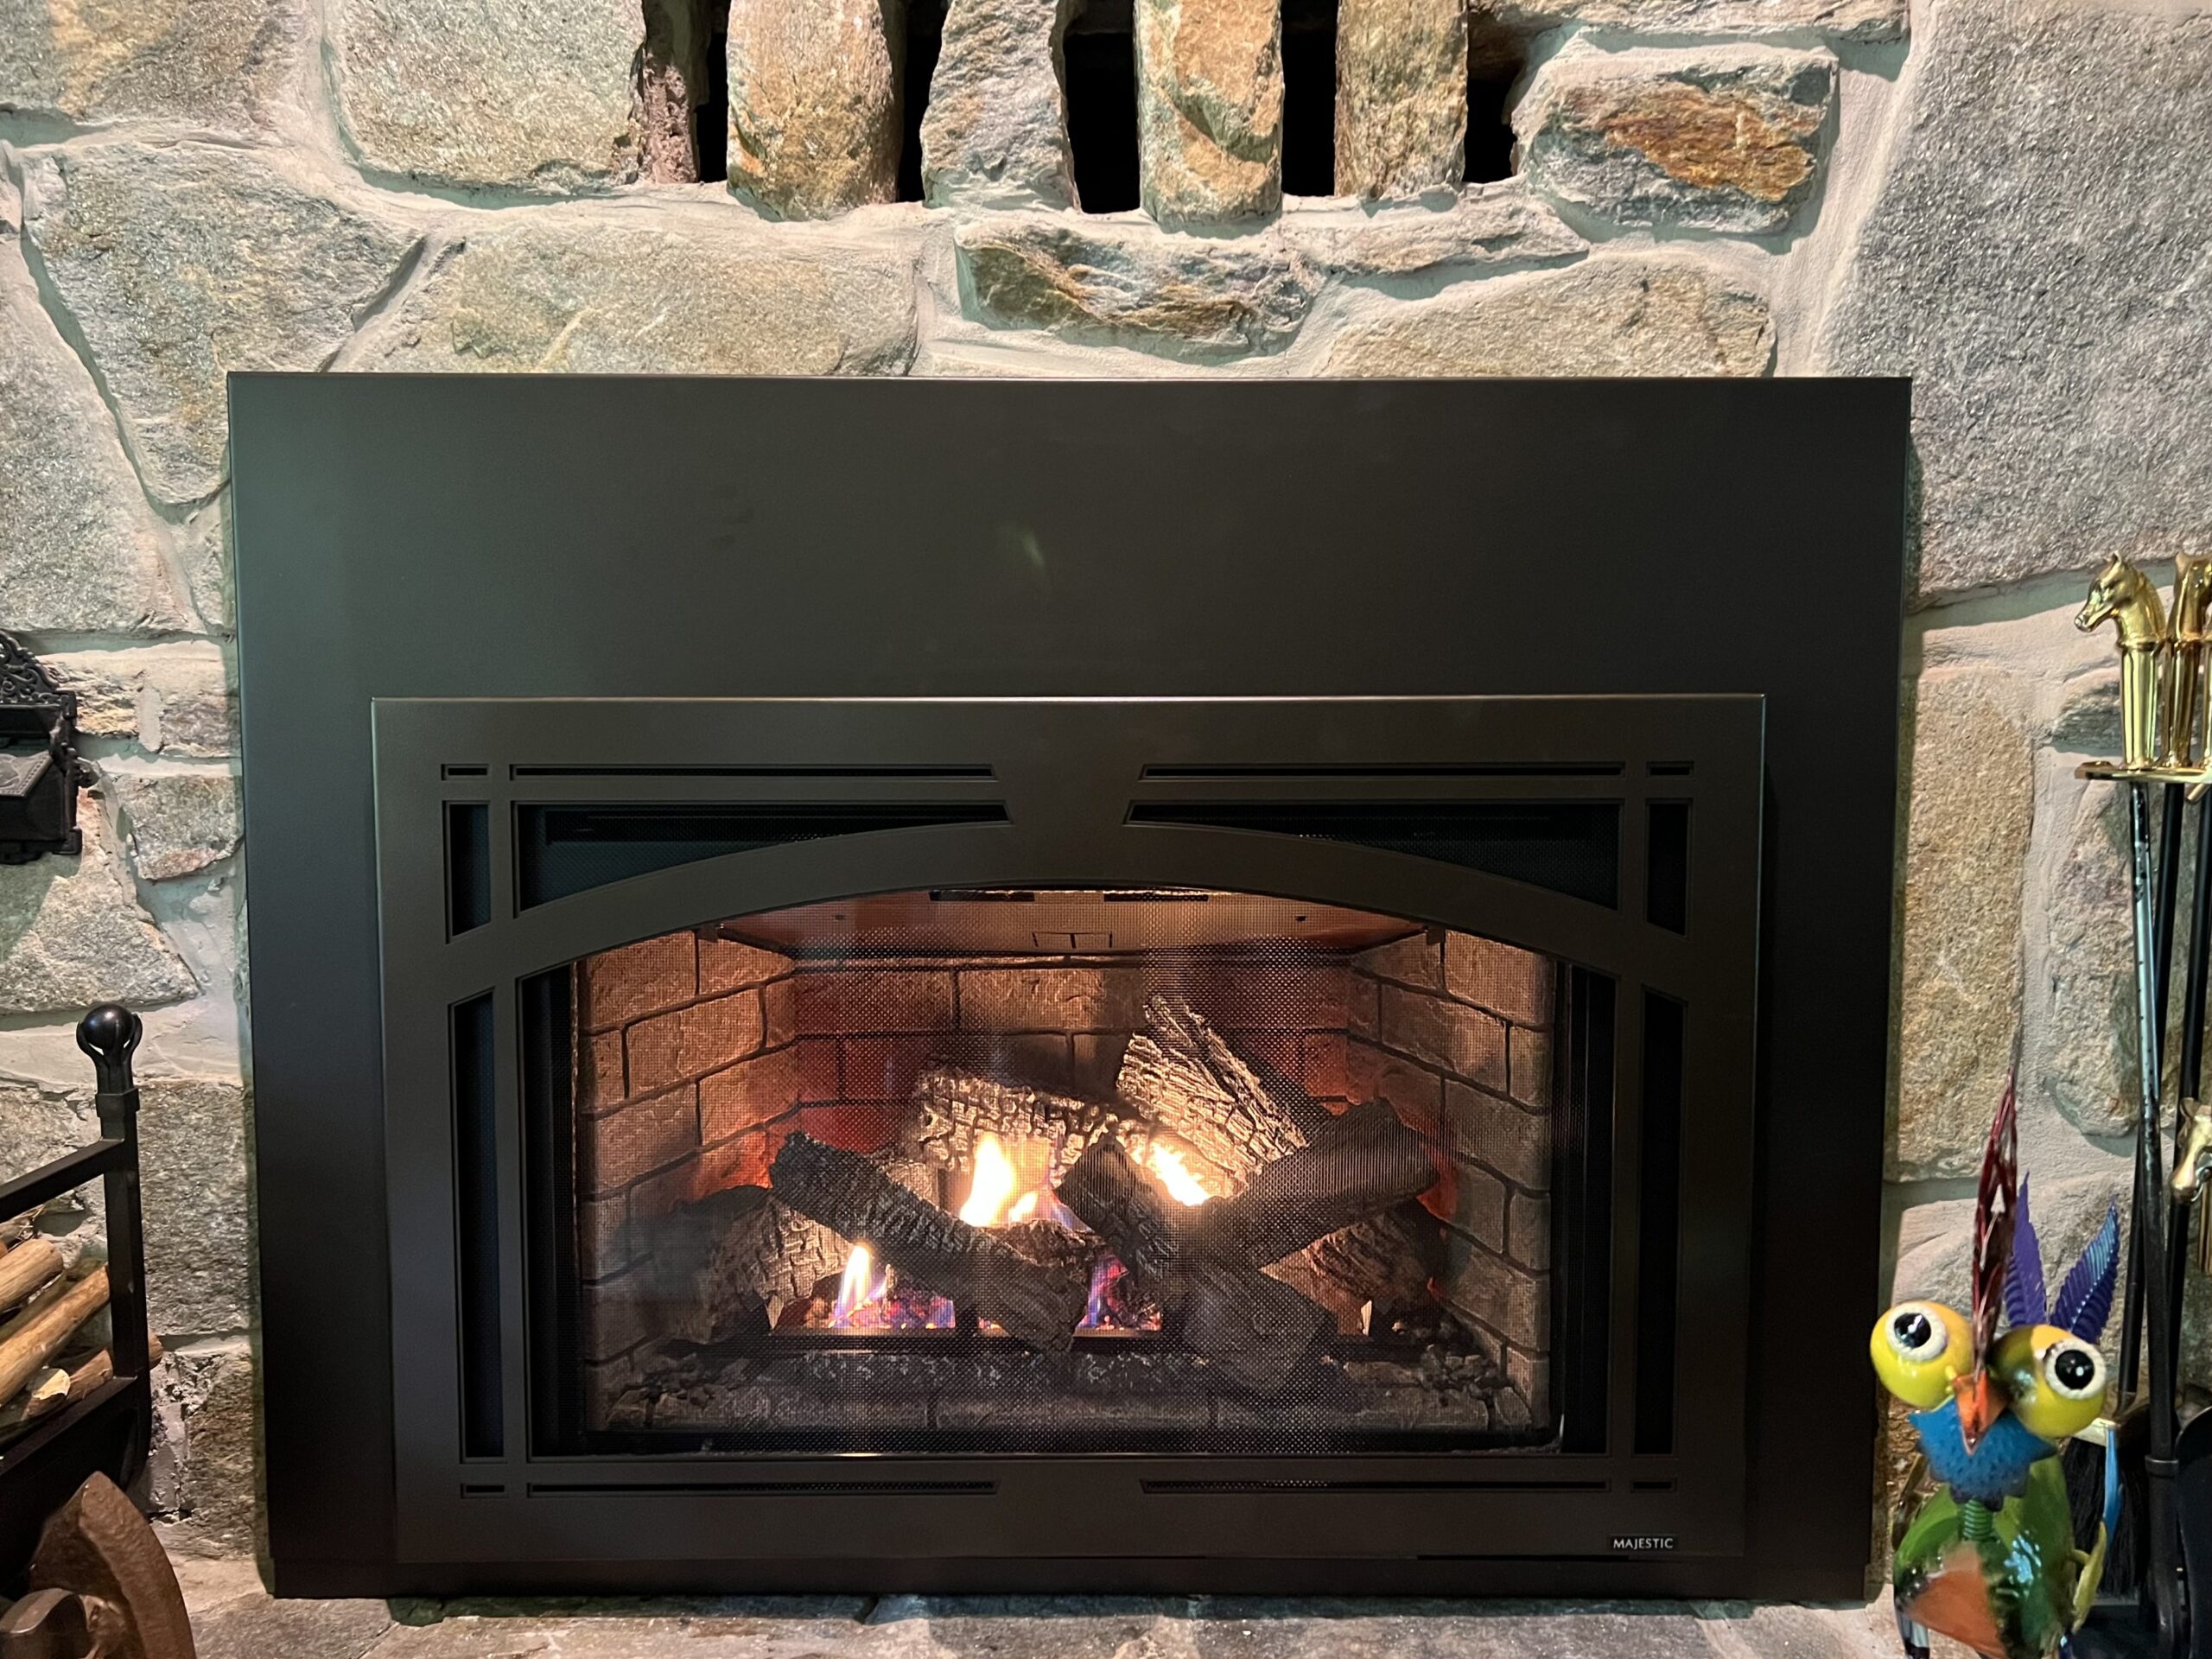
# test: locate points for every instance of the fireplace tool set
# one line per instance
(2164, 725)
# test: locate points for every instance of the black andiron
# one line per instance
(93, 1577)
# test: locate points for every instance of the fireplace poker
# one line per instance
(2148, 1224)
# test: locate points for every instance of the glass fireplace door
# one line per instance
(1137, 1101)
(981, 1168)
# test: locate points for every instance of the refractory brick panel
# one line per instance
(616, 987)
(689, 1042)
(838, 1002)
(750, 1093)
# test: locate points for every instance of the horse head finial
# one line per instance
(2127, 598)
(2116, 585)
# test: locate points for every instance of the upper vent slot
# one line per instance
(570, 850)
(1566, 847)
(1240, 1487)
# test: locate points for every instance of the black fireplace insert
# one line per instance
(1068, 985)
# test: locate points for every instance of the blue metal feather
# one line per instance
(2026, 1301)
(2085, 1299)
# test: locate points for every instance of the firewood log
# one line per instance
(720, 1266)
(46, 1392)
(43, 1329)
(1257, 1331)
(100, 1370)
(954, 1104)
(931, 1250)
(95, 1373)
(1355, 1167)
(1388, 1259)
(26, 1271)
(50, 1389)
(1181, 1075)
(1050, 1245)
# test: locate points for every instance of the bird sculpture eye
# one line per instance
(2074, 1370)
(1915, 1333)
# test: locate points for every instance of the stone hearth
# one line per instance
(234, 1619)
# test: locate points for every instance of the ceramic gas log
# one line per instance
(1038, 1305)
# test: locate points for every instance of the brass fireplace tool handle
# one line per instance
(2165, 705)
(2163, 685)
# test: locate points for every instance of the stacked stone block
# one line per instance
(1402, 96)
(1717, 138)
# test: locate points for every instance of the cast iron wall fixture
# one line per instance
(40, 772)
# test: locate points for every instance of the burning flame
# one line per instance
(1006, 1186)
(1175, 1175)
(992, 1186)
(867, 1301)
(861, 1286)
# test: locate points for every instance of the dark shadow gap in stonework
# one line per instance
(924, 39)
(1497, 58)
(1309, 98)
(1099, 74)
(710, 116)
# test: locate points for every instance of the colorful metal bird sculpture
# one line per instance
(1991, 1560)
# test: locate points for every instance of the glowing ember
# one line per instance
(1104, 1277)
(991, 1187)
(1114, 1303)
(1175, 1175)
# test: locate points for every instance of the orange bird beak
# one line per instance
(1980, 1405)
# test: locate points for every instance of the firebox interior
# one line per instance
(1067, 1168)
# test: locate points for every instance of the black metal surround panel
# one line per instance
(434, 539)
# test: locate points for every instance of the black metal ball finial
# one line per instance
(109, 1033)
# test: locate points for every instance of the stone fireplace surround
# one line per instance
(2020, 142)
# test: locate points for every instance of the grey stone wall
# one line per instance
(2003, 200)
